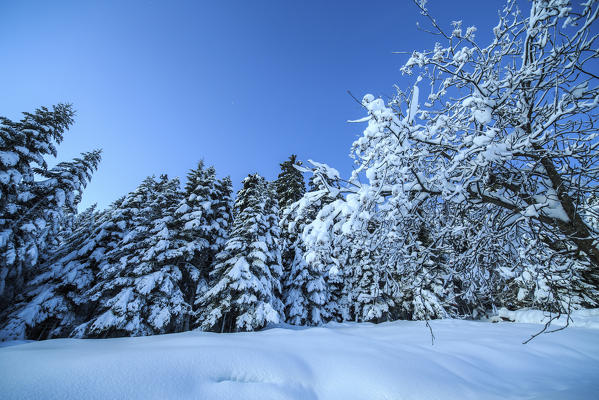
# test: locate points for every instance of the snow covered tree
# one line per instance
(370, 287)
(305, 290)
(140, 289)
(197, 218)
(290, 185)
(61, 192)
(549, 281)
(507, 131)
(272, 237)
(51, 304)
(521, 136)
(423, 275)
(222, 207)
(243, 296)
(203, 219)
(34, 200)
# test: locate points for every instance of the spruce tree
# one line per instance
(51, 304)
(221, 219)
(273, 244)
(290, 185)
(305, 292)
(244, 294)
(202, 220)
(140, 292)
(34, 200)
(222, 205)
(370, 285)
(196, 216)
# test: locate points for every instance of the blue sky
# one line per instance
(159, 85)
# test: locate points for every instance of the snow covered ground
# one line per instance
(469, 360)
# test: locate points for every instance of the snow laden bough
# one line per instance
(482, 194)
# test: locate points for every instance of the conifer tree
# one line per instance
(305, 291)
(196, 216)
(58, 196)
(33, 209)
(223, 212)
(114, 238)
(315, 288)
(273, 245)
(244, 294)
(141, 284)
(202, 221)
(290, 185)
(51, 304)
(371, 289)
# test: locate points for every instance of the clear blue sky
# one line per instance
(159, 85)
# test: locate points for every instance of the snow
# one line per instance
(395, 360)
(414, 103)
(579, 318)
(364, 119)
(483, 116)
(9, 158)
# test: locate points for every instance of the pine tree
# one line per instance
(51, 304)
(58, 195)
(290, 185)
(32, 210)
(196, 216)
(223, 213)
(244, 293)
(273, 244)
(203, 219)
(140, 289)
(305, 293)
(370, 286)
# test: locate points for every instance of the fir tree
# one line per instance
(140, 290)
(273, 244)
(61, 192)
(244, 294)
(223, 213)
(203, 219)
(371, 288)
(51, 305)
(32, 210)
(196, 216)
(290, 185)
(305, 293)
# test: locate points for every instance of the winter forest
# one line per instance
(455, 256)
(473, 190)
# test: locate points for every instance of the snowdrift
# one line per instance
(469, 360)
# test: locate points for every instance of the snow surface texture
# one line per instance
(395, 360)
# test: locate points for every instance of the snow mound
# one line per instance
(469, 360)
(579, 318)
